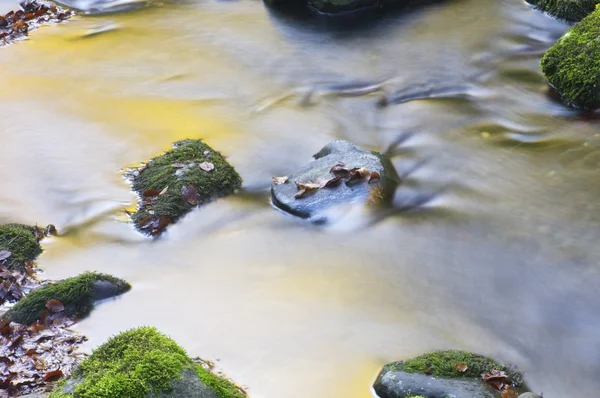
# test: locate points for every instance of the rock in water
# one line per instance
(172, 184)
(143, 362)
(76, 295)
(341, 173)
(572, 65)
(442, 374)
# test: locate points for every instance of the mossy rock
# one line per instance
(143, 363)
(171, 185)
(77, 295)
(572, 65)
(440, 374)
(21, 241)
(570, 10)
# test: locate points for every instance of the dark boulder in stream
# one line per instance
(443, 374)
(73, 297)
(341, 173)
(143, 362)
(172, 184)
(344, 6)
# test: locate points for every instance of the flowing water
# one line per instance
(490, 245)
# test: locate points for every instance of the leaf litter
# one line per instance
(341, 173)
(32, 357)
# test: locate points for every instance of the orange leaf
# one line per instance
(53, 376)
(54, 305)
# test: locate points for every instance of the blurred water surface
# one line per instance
(498, 253)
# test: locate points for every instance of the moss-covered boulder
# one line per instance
(143, 363)
(170, 185)
(441, 374)
(75, 295)
(21, 242)
(572, 65)
(570, 10)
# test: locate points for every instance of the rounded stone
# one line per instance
(377, 189)
(530, 395)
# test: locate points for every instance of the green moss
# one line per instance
(223, 387)
(572, 65)
(443, 364)
(21, 241)
(134, 364)
(570, 10)
(174, 171)
(76, 294)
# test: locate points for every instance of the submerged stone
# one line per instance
(342, 6)
(76, 294)
(174, 183)
(439, 375)
(22, 241)
(570, 10)
(572, 65)
(376, 185)
(144, 363)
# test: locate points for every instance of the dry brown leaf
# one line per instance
(306, 188)
(509, 393)
(149, 193)
(53, 376)
(374, 176)
(340, 170)
(280, 180)
(191, 194)
(461, 367)
(54, 305)
(206, 166)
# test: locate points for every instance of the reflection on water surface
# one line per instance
(499, 258)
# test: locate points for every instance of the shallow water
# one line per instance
(491, 244)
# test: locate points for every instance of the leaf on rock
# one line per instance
(206, 166)
(374, 176)
(340, 170)
(304, 188)
(54, 305)
(280, 180)
(53, 376)
(509, 393)
(461, 367)
(333, 182)
(494, 374)
(191, 195)
(149, 193)
(4, 254)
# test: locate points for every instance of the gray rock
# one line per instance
(189, 386)
(103, 289)
(398, 384)
(530, 395)
(357, 191)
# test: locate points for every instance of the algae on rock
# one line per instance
(570, 10)
(572, 65)
(170, 185)
(21, 241)
(143, 363)
(76, 294)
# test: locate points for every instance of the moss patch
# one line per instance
(76, 294)
(136, 363)
(21, 241)
(572, 65)
(570, 10)
(172, 184)
(223, 387)
(443, 364)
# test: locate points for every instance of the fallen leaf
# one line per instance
(333, 182)
(53, 376)
(191, 195)
(150, 193)
(280, 180)
(4, 254)
(54, 305)
(509, 393)
(164, 191)
(206, 166)
(306, 188)
(374, 176)
(340, 170)
(494, 374)
(461, 367)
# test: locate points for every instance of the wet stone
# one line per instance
(376, 187)
(399, 384)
